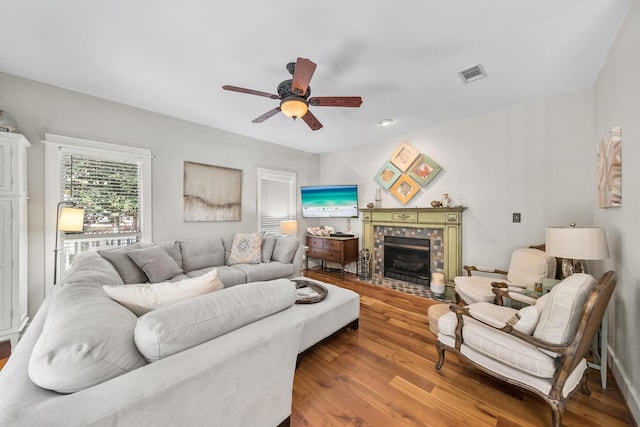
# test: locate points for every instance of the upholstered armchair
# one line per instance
(540, 348)
(528, 266)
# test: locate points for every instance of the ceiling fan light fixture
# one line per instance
(294, 107)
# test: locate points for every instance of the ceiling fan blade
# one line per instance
(335, 101)
(311, 120)
(250, 91)
(302, 76)
(266, 115)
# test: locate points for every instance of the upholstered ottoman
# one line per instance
(340, 309)
(435, 312)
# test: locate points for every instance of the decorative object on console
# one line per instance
(610, 169)
(446, 201)
(323, 230)
(69, 219)
(289, 228)
(7, 122)
(575, 244)
(404, 189)
(436, 204)
(212, 193)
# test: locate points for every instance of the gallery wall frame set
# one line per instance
(406, 171)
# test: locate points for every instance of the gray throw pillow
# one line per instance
(156, 263)
(198, 254)
(284, 249)
(268, 243)
(127, 269)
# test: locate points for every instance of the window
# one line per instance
(113, 185)
(276, 199)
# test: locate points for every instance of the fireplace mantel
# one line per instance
(446, 220)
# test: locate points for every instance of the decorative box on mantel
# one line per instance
(442, 226)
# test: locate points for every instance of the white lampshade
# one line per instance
(289, 227)
(580, 243)
(71, 219)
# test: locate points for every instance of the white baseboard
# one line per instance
(628, 390)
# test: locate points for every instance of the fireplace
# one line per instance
(407, 259)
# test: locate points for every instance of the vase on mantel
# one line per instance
(446, 201)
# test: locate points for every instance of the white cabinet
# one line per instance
(13, 236)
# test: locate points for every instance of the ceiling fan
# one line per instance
(294, 95)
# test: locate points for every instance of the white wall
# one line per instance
(617, 102)
(41, 108)
(536, 159)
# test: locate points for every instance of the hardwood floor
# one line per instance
(384, 375)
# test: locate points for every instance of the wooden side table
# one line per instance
(342, 250)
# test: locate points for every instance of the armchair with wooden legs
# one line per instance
(541, 348)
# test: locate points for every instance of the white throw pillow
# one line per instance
(145, 297)
(246, 248)
(527, 319)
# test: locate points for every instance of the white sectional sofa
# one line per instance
(225, 358)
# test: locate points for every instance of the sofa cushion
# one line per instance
(156, 263)
(529, 266)
(563, 307)
(498, 345)
(198, 254)
(127, 269)
(268, 243)
(142, 298)
(528, 318)
(169, 330)
(230, 276)
(246, 249)
(284, 249)
(87, 338)
(266, 271)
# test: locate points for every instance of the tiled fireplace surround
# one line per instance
(442, 226)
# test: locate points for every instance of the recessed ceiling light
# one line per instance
(385, 122)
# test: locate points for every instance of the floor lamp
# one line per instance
(67, 219)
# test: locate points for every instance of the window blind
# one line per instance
(276, 199)
(108, 190)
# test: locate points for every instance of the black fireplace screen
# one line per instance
(407, 259)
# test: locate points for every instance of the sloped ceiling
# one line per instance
(402, 57)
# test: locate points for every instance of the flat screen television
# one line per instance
(329, 201)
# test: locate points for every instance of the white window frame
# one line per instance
(54, 146)
(272, 174)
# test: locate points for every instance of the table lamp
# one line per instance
(575, 245)
(289, 228)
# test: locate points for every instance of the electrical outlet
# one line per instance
(516, 217)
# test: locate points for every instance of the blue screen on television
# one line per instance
(329, 201)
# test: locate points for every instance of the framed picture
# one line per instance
(610, 169)
(404, 189)
(424, 169)
(211, 193)
(404, 156)
(387, 175)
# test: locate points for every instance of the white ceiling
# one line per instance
(401, 56)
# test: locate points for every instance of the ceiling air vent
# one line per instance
(472, 74)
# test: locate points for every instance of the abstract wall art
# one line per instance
(211, 193)
(610, 169)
